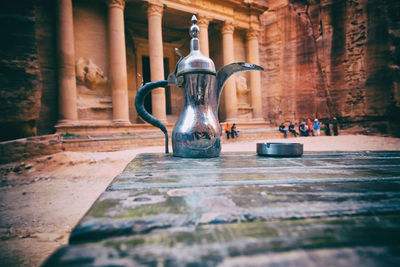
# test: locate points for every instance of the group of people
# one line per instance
(305, 128)
(231, 131)
(308, 128)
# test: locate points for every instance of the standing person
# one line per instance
(227, 130)
(292, 129)
(309, 125)
(310, 129)
(327, 127)
(316, 127)
(234, 132)
(283, 130)
(335, 126)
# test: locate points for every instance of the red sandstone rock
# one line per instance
(331, 58)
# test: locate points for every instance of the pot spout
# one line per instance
(226, 71)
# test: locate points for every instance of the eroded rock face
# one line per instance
(20, 79)
(332, 58)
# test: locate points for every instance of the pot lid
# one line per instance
(195, 62)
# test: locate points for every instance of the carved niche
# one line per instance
(242, 91)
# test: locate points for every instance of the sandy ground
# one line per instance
(42, 199)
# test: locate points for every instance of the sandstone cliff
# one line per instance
(28, 84)
(20, 80)
(332, 58)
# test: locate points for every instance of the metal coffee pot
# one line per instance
(197, 133)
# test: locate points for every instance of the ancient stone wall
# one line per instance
(332, 58)
(26, 148)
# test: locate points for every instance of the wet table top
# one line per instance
(240, 209)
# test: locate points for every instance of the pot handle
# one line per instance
(142, 112)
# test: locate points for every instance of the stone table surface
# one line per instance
(333, 208)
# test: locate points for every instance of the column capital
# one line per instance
(228, 27)
(116, 3)
(203, 20)
(252, 33)
(155, 9)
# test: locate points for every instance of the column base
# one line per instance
(66, 123)
(232, 120)
(164, 121)
(258, 120)
(121, 122)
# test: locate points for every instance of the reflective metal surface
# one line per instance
(197, 133)
(280, 149)
(195, 61)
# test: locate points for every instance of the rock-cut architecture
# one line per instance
(75, 65)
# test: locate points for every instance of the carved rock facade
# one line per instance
(322, 58)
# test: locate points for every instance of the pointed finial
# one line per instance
(195, 62)
(194, 19)
(194, 29)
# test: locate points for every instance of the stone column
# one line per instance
(255, 76)
(154, 14)
(66, 64)
(117, 53)
(203, 23)
(228, 57)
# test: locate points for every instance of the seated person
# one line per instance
(303, 129)
(292, 129)
(234, 132)
(283, 130)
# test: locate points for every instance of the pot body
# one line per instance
(197, 133)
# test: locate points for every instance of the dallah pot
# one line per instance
(197, 133)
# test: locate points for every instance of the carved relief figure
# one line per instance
(80, 71)
(89, 74)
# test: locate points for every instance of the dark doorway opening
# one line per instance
(147, 78)
(167, 89)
